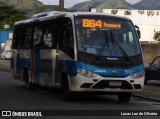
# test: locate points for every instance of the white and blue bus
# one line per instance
(79, 52)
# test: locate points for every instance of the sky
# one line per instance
(70, 3)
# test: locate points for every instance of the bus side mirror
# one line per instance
(138, 31)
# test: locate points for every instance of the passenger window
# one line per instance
(130, 36)
(15, 39)
(49, 36)
(37, 36)
(68, 44)
(28, 37)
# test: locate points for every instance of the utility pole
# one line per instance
(61, 5)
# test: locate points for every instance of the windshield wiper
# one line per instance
(103, 47)
(113, 42)
(119, 46)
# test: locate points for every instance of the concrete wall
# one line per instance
(150, 51)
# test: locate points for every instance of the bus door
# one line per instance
(65, 47)
(15, 63)
(58, 50)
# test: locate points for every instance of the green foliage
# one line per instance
(157, 36)
(9, 15)
(31, 7)
(23, 4)
(115, 4)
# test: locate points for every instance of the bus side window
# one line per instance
(15, 39)
(49, 38)
(68, 44)
(28, 37)
(37, 36)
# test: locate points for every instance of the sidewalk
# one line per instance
(4, 68)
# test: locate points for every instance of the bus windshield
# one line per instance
(106, 37)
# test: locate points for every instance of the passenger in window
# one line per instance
(47, 38)
(37, 36)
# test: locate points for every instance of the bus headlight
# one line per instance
(86, 73)
(138, 75)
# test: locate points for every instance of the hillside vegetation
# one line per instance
(117, 4)
(30, 7)
(148, 4)
(121, 4)
(23, 4)
(9, 15)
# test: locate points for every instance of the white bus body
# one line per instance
(80, 52)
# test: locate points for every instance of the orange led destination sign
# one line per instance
(92, 23)
(112, 25)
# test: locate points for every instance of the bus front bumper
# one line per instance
(105, 84)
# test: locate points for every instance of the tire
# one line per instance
(69, 95)
(124, 97)
(28, 85)
(145, 81)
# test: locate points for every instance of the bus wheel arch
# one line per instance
(145, 81)
(64, 81)
(69, 95)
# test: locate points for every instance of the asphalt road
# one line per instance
(14, 96)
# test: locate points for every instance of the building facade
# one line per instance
(147, 20)
(6, 36)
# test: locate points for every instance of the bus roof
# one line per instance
(56, 14)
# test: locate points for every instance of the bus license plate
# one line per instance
(115, 83)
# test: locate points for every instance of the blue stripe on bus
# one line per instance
(71, 68)
(42, 65)
(45, 66)
(109, 71)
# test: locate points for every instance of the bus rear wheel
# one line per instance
(124, 97)
(28, 85)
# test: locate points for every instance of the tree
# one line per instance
(9, 15)
(157, 36)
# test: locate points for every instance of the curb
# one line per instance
(5, 69)
(145, 97)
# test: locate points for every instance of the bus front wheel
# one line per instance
(69, 95)
(124, 97)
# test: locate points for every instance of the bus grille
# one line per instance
(105, 84)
